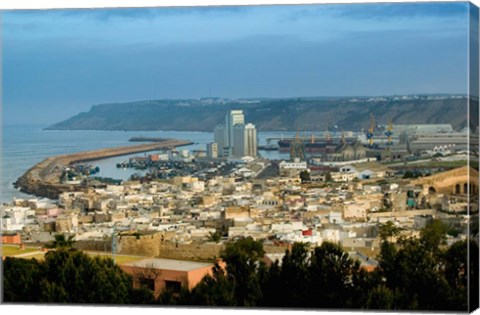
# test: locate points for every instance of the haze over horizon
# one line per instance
(58, 63)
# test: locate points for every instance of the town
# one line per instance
(189, 206)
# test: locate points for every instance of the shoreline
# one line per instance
(43, 179)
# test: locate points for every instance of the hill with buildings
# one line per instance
(272, 114)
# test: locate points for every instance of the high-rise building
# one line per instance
(239, 140)
(245, 140)
(212, 150)
(250, 140)
(235, 137)
(234, 117)
(220, 137)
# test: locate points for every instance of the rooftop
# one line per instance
(169, 264)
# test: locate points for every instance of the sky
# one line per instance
(57, 63)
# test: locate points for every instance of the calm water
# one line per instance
(24, 146)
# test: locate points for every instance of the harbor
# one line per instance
(44, 179)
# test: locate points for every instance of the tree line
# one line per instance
(413, 274)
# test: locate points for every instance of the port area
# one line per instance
(44, 178)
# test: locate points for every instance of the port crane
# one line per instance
(297, 148)
(389, 132)
(371, 130)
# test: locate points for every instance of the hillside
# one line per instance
(270, 114)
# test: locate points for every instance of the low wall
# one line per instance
(408, 213)
(201, 252)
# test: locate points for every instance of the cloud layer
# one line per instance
(62, 61)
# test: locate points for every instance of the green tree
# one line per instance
(243, 260)
(417, 273)
(328, 177)
(169, 297)
(214, 237)
(305, 176)
(215, 290)
(272, 286)
(70, 277)
(62, 241)
(82, 279)
(287, 285)
(380, 298)
(434, 234)
(21, 279)
(295, 275)
(330, 277)
(388, 230)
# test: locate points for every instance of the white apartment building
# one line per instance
(220, 138)
(245, 140)
(234, 117)
(212, 150)
(251, 140)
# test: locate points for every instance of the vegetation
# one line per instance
(69, 276)
(305, 176)
(12, 250)
(62, 241)
(413, 274)
(443, 164)
(410, 174)
(214, 237)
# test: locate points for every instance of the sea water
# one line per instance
(23, 146)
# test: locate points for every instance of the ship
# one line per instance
(324, 144)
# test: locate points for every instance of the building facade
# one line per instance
(239, 140)
(251, 140)
(219, 137)
(212, 150)
(234, 117)
(245, 140)
(235, 138)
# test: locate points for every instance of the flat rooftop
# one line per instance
(169, 264)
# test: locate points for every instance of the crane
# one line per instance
(371, 130)
(389, 132)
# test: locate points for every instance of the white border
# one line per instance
(57, 4)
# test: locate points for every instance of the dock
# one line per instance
(43, 179)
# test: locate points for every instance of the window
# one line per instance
(147, 283)
(457, 189)
(173, 286)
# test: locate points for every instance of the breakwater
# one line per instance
(43, 179)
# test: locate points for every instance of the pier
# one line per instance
(43, 179)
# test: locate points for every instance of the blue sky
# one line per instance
(57, 63)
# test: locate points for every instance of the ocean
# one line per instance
(23, 146)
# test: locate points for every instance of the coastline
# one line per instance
(43, 179)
